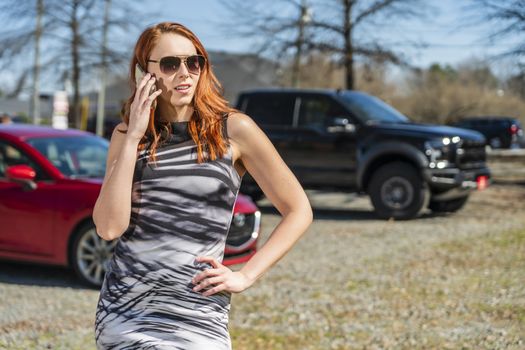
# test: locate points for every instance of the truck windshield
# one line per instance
(370, 109)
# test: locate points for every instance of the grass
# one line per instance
(457, 294)
(261, 340)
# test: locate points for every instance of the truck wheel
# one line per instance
(449, 206)
(89, 255)
(398, 191)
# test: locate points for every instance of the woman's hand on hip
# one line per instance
(219, 278)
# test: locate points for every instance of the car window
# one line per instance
(316, 111)
(11, 155)
(83, 156)
(271, 109)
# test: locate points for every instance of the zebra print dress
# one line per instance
(180, 210)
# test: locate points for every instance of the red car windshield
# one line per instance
(74, 156)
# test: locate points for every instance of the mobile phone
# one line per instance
(139, 74)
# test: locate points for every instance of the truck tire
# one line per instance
(398, 191)
(449, 206)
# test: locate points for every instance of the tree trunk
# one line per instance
(36, 69)
(296, 72)
(349, 49)
(101, 104)
(75, 43)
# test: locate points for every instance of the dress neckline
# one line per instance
(179, 131)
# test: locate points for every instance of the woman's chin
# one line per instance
(181, 101)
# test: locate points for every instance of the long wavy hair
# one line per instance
(209, 105)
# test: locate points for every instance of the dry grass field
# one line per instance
(352, 282)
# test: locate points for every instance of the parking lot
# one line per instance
(352, 282)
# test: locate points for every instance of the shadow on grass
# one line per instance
(34, 274)
(327, 213)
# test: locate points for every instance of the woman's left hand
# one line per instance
(220, 277)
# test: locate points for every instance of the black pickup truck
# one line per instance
(349, 141)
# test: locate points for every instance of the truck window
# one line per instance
(316, 111)
(271, 109)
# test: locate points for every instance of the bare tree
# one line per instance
(443, 94)
(83, 22)
(24, 32)
(101, 104)
(506, 18)
(516, 82)
(333, 28)
(71, 40)
(36, 62)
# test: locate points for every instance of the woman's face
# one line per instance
(177, 88)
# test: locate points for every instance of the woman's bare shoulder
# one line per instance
(264, 163)
(241, 126)
(249, 139)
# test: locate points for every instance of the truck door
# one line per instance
(274, 114)
(322, 152)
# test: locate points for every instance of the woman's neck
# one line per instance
(175, 113)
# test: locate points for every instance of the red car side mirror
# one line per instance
(23, 174)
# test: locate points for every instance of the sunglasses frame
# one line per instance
(184, 59)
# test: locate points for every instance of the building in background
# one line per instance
(236, 72)
(20, 110)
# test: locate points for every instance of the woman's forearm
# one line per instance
(286, 233)
(112, 211)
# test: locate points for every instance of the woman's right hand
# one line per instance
(140, 107)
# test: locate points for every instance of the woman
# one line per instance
(172, 178)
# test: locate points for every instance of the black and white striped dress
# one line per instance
(180, 210)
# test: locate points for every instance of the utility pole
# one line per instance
(36, 67)
(304, 18)
(101, 103)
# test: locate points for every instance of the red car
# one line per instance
(49, 182)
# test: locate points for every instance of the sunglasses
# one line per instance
(171, 64)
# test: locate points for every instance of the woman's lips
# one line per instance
(183, 89)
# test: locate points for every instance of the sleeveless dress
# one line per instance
(180, 210)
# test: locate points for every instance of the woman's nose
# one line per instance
(183, 70)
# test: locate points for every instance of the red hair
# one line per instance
(209, 105)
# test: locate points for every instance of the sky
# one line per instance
(449, 41)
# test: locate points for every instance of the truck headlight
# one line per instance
(437, 152)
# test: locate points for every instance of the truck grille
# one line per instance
(471, 155)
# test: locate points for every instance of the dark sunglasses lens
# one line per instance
(170, 65)
(195, 63)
